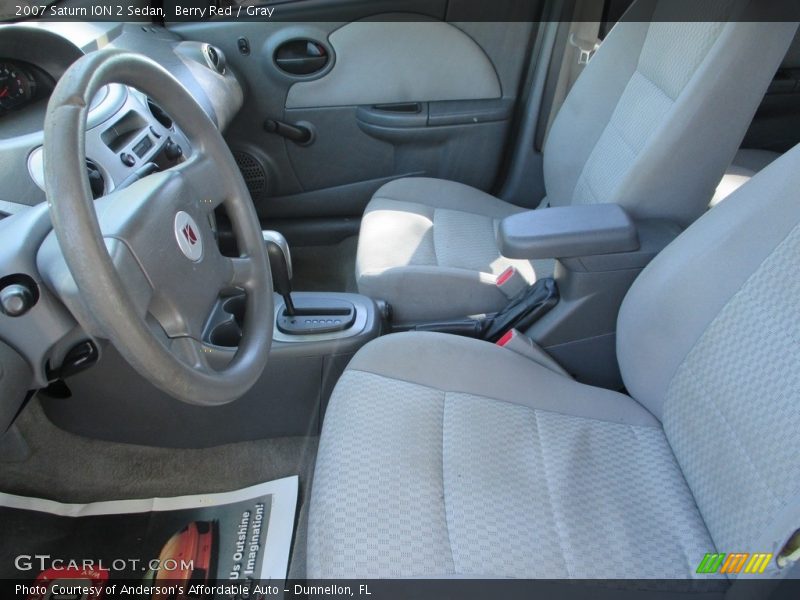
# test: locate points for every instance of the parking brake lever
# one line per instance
(280, 263)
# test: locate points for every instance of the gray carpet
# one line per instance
(69, 468)
(325, 268)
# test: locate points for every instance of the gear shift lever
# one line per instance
(280, 262)
(315, 314)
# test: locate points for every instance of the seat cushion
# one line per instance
(428, 247)
(746, 163)
(446, 456)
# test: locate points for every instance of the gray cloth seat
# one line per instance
(652, 124)
(443, 456)
(746, 163)
(443, 234)
(478, 462)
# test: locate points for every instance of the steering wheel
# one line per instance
(144, 258)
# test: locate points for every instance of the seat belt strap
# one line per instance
(583, 38)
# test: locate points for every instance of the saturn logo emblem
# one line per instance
(187, 234)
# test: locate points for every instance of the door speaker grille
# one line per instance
(253, 173)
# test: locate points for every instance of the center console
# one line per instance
(315, 336)
(323, 323)
(599, 250)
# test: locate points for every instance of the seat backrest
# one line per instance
(659, 112)
(708, 339)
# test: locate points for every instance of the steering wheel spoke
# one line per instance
(197, 173)
(241, 270)
(193, 353)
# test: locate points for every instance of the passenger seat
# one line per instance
(651, 124)
(745, 165)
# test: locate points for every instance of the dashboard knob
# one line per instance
(16, 300)
(172, 150)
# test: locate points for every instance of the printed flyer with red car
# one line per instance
(161, 548)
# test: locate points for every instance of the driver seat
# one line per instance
(444, 456)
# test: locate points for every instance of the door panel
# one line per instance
(390, 62)
(341, 153)
(417, 96)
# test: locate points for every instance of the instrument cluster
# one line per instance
(21, 84)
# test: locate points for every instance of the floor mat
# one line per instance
(69, 468)
(325, 268)
(111, 471)
(201, 540)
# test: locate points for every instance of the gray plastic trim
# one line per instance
(16, 378)
(288, 399)
(106, 104)
(523, 182)
(365, 313)
(37, 335)
(12, 208)
(118, 102)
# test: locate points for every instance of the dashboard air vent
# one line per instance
(96, 180)
(159, 114)
(215, 58)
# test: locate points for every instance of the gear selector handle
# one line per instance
(280, 262)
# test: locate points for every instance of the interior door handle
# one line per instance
(301, 57)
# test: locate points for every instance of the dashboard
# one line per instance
(128, 135)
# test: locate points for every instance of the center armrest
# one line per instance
(568, 231)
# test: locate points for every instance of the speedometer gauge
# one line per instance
(17, 86)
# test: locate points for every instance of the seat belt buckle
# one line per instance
(511, 282)
(521, 344)
(517, 342)
(506, 338)
(586, 48)
(790, 553)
